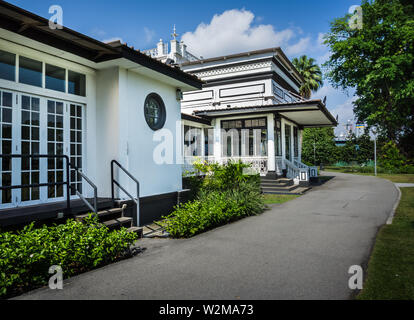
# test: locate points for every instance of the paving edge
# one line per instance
(394, 208)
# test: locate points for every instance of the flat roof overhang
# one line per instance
(29, 25)
(307, 114)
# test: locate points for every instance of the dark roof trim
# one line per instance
(197, 119)
(251, 77)
(232, 56)
(283, 107)
(32, 26)
(242, 63)
(276, 50)
(153, 64)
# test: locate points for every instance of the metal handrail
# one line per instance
(114, 182)
(94, 208)
(49, 184)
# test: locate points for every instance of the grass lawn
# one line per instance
(391, 267)
(396, 178)
(278, 198)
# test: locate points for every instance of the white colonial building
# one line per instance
(249, 109)
(79, 117)
(77, 120)
(252, 102)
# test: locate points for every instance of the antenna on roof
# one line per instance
(324, 100)
(174, 34)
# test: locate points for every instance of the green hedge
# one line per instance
(25, 256)
(225, 194)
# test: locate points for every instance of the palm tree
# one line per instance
(312, 74)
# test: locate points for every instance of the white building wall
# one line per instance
(107, 127)
(249, 93)
(124, 135)
(154, 178)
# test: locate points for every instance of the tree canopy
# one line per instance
(312, 74)
(318, 146)
(378, 61)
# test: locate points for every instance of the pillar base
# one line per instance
(271, 175)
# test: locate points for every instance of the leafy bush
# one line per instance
(390, 157)
(226, 194)
(25, 256)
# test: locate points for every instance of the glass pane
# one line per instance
(26, 102)
(7, 115)
(77, 83)
(6, 147)
(55, 78)
(7, 66)
(35, 104)
(7, 99)
(6, 131)
(25, 133)
(50, 106)
(59, 107)
(30, 71)
(6, 164)
(35, 118)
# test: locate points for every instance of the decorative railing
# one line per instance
(313, 171)
(279, 165)
(297, 174)
(258, 164)
(190, 56)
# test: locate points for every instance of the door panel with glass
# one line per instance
(35, 125)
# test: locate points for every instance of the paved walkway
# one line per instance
(298, 250)
(405, 185)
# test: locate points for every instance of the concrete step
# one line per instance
(107, 214)
(276, 183)
(125, 222)
(279, 188)
(298, 191)
(137, 230)
(281, 182)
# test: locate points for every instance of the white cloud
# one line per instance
(235, 31)
(149, 34)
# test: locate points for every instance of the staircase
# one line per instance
(281, 186)
(114, 219)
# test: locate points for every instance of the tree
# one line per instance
(319, 146)
(378, 60)
(357, 149)
(312, 74)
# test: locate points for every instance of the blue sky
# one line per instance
(212, 27)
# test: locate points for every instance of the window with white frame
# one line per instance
(31, 72)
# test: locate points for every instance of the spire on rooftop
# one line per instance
(174, 34)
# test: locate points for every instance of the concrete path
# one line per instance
(299, 250)
(405, 185)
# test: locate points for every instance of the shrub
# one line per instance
(226, 194)
(391, 158)
(25, 256)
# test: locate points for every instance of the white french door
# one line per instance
(38, 125)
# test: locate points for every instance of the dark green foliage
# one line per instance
(226, 194)
(319, 146)
(391, 158)
(312, 74)
(358, 150)
(378, 60)
(25, 256)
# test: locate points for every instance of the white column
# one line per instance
(300, 145)
(202, 144)
(292, 143)
(271, 143)
(217, 140)
(282, 125)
